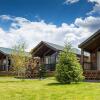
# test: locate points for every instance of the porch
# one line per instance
(49, 61)
(91, 67)
(4, 62)
(47, 53)
(93, 61)
(91, 47)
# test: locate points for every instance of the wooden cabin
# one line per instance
(92, 46)
(48, 53)
(4, 59)
(5, 62)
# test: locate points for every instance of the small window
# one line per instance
(47, 60)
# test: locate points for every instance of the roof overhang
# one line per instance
(43, 49)
(3, 53)
(92, 43)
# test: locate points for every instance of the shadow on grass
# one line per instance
(58, 84)
(55, 84)
(10, 81)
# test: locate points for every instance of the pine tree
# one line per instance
(68, 68)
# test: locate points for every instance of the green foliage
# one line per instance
(68, 68)
(42, 71)
(19, 59)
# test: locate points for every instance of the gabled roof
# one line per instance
(8, 51)
(60, 48)
(90, 39)
(55, 47)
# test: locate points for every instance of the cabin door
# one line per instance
(98, 60)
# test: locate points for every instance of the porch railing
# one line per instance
(4, 68)
(89, 66)
(50, 67)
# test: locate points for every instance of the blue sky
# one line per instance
(52, 11)
(49, 20)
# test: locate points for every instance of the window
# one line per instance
(47, 60)
(53, 59)
(50, 59)
(4, 62)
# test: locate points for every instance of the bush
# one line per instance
(42, 71)
(68, 68)
(19, 58)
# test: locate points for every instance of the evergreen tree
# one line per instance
(68, 68)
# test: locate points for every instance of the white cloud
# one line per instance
(5, 17)
(70, 1)
(96, 8)
(34, 32)
(96, 1)
(90, 23)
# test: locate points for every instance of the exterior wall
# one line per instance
(91, 62)
(86, 58)
(94, 60)
(50, 61)
(5, 63)
(98, 59)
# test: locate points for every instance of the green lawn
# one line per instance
(48, 89)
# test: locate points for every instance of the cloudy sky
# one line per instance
(54, 21)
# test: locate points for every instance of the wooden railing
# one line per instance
(92, 74)
(50, 67)
(87, 66)
(90, 66)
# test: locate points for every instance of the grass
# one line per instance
(47, 89)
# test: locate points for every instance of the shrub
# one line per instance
(19, 59)
(68, 68)
(42, 71)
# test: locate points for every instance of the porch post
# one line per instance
(96, 60)
(7, 63)
(91, 62)
(82, 58)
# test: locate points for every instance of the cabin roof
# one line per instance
(55, 46)
(8, 51)
(60, 48)
(44, 46)
(92, 42)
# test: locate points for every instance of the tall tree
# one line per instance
(19, 59)
(68, 68)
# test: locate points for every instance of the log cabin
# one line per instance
(48, 54)
(5, 62)
(4, 59)
(92, 46)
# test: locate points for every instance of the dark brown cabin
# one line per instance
(5, 62)
(48, 53)
(92, 46)
(4, 59)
